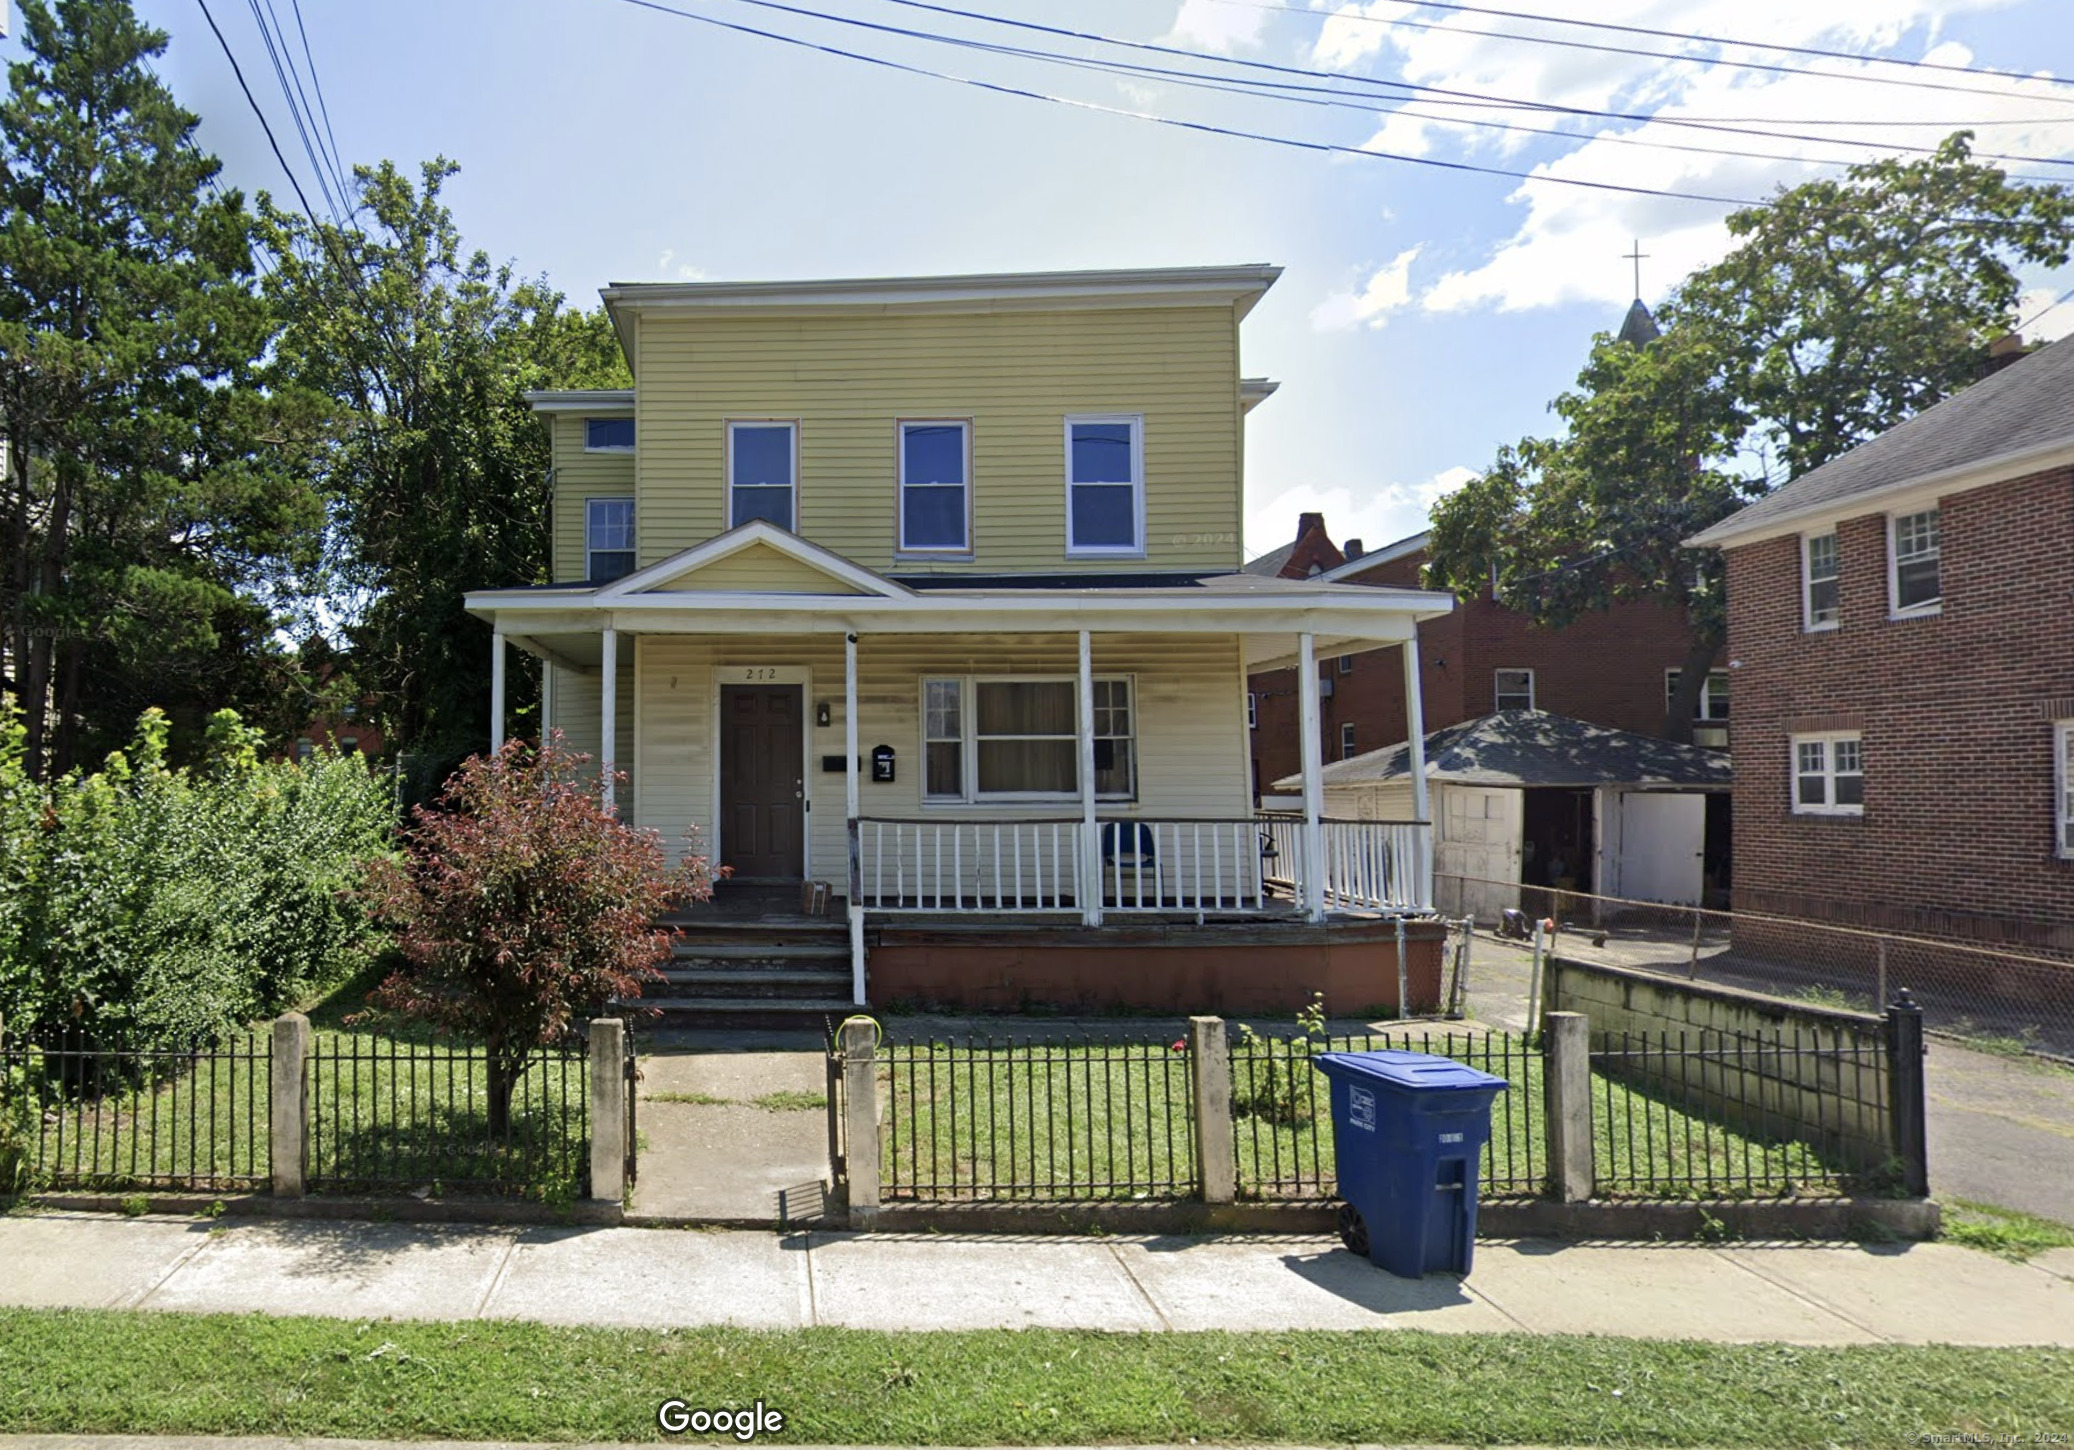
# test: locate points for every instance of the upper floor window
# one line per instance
(1713, 701)
(1346, 741)
(1913, 549)
(763, 474)
(1346, 664)
(1105, 484)
(1820, 608)
(1828, 775)
(1018, 739)
(608, 539)
(1513, 690)
(935, 487)
(608, 435)
(2063, 760)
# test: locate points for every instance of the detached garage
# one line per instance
(1524, 799)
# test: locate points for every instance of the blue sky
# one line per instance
(1425, 317)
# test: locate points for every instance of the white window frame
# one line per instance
(1707, 694)
(900, 427)
(2063, 784)
(633, 534)
(1895, 609)
(1346, 740)
(610, 447)
(1135, 550)
(1808, 622)
(1496, 692)
(1828, 740)
(1252, 710)
(728, 464)
(1346, 664)
(968, 744)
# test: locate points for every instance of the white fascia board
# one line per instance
(1373, 557)
(985, 292)
(747, 536)
(1255, 391)
(1907, 496)
(596, 401)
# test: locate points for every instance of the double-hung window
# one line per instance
(1914, 549)
(608, 435)
(1828, 775)
(1105, 484)
(2063, 782)
(1018, 739)
(1346, 741)
(1713, 701)
(935, 487)
(1820, 607)
(1512, 690)
(763, 474)
(608, 539)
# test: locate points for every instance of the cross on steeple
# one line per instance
(1637, 256)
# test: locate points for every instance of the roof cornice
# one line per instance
(581, 400)
(1384, 555)
(1240, 286)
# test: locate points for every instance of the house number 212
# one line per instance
(752, 673)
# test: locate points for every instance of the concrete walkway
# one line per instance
(1800, 1293)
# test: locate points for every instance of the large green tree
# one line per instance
(151, 497)
(1845, 306)
(417, 352)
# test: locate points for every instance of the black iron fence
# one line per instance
(1281, 1109)
(94, 1113)
(1076, 1118)
(384, 1114)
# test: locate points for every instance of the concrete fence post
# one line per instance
(1905, 1092)
(861, 1119)
(1567, 1080)
(1209, 1060)
(608, 1109)
(290, 1105)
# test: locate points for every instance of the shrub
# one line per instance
(524, 905)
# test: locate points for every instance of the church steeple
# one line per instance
(1638, 328)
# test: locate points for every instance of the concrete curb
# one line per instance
(380, 1210)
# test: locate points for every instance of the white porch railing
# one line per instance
(1200, 867)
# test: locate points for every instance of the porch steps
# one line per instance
(749, 959)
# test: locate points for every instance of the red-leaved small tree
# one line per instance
(522, 907)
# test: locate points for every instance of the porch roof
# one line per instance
(1532, 748)
(564, 621)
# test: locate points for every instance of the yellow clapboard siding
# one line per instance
(573, 708)
(1016, 376)
(580, 476)
(759, 569)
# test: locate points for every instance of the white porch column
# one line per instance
(854, 900)
(1090, 840)
(1415, 759)
(608, 709)
(496, 691)
(1309, 724)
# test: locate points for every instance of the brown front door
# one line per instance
(762, 793)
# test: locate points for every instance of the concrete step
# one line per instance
(708, 949)
(771, 986)
(745, 1012)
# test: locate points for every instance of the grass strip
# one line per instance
(2005, 1232)
(92, 1371)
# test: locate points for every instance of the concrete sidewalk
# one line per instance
(1799, 1293)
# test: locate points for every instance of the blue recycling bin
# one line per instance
(1409, 1129)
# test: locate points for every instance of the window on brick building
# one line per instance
(1713, 701)
(1346, 741)
(1252, 711)
(1512, 690)
(2063, 756)
(1819, 605)
(1346, 664)
(1914, 548)
(1828, 775)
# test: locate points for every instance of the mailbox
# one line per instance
(881, 762)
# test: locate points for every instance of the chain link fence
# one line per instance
(2000, 1000)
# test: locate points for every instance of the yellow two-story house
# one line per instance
(929, 589)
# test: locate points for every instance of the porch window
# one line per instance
(762, 474)
(608, 539)
(1713, 701)
(935, 496)
(1828, 775)
(1819, 574)
(1018, 739)
(1105, 484)
(608, 435)
(1513, 690)
(1914, 547)
(2063, 757)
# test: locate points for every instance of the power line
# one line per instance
(317, 85)
(253, 101)
(288, 95)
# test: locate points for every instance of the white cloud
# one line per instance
(1212, 25)
(686, 272)
(1377, 517)
(1385, 292)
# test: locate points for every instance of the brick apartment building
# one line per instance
(1901, 641)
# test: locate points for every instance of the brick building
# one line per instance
(1901, 641)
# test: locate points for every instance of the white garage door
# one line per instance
(1662, 837)
(1476, 855)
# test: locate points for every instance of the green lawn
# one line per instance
(81, 1372)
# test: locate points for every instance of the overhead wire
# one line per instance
(295, 114)
(317, 85)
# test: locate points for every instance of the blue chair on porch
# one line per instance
(1129, 845)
